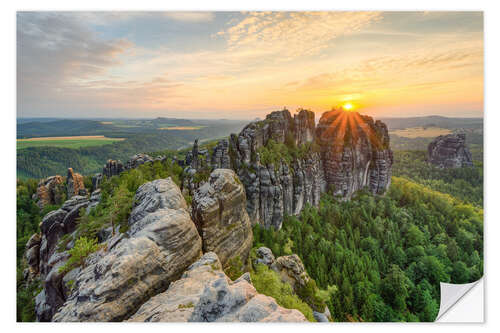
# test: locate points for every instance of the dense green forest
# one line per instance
(465, 184)
(386, 255)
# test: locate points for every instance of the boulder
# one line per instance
(265, 256)
(449, 151)
(219, 212)
(74, 183)
(205, 294)
(162, 241)
(292, 271)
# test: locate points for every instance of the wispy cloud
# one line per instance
(191, 16)
(292, 34)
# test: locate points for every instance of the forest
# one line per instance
(385, 255)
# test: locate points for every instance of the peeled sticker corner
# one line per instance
(462, 302)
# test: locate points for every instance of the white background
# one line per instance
(8, 153)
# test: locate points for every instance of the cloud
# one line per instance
(292, 34)
(54, 50)
(191, 16)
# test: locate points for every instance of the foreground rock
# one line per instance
(205, 294)
(162, 242)
(449, 151)
(219, 214)
(50, 191)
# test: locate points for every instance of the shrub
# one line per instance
(234, 269)
(269, 283)
(83, 247)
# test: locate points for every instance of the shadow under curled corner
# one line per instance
(462, 303)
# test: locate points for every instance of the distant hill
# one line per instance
(65, 127)
(432, 121)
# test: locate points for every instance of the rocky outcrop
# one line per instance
(292, 271)
(220, 156)
(112, 168)
(449, 151)
(74, 184)
(346, 152)
(355, 153)
(276, 190)
(50, 191)
(162, 241)
(96, 181)
(218, 210)
(32, 256)
(137, 160)
(52, 255)
(290, 268)
(205, 294)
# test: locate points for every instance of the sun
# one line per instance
(348, 107)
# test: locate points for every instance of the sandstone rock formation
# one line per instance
(137, 160)
(112, 168)
(355, 152)
(32, 256)
(54, 226)
(449, 151)
(50, 191)
(218, 210)
(74, 184)
(205, 294)
(346, 152)
(290, 268)
(161, 243)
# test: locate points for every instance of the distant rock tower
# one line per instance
(449, 151)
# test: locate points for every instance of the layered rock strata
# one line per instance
(161, 243)
(205, 294)
(345, 153)
(219, 212)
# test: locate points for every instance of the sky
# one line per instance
(243, 65)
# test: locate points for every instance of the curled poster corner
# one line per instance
(461, 302)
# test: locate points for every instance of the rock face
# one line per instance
(218, 210)
(162, 241)
(32, 256)
(112, 168)
(274, 190)
(50, 191)
(54, 226)
(355, 152)
(449, 151)
(346, 152)
(205, 294)
(74, 183)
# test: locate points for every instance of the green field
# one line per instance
(66, 142)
